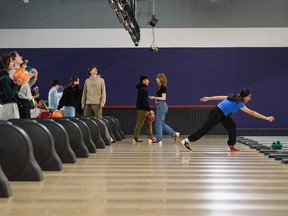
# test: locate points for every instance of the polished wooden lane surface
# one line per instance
(141, 179)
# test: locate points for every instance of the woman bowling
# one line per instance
(222, 113)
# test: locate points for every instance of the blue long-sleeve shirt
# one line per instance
(53, 99)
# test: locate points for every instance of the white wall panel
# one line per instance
(169, 37)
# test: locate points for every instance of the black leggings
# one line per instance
(214, 117)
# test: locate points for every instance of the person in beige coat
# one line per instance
(94, 93)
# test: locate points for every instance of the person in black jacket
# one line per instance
(70, 97)
(8, 90)
(143, 109)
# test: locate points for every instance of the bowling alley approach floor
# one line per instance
(141, 179)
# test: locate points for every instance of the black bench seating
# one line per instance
(5, 189)
(103, 130)
(119, 129)
(42, 142)
(75, 137)
(61, 140)
(114, 129)
(95, 133)
(16, 154)
(86, 134)
(108, 125)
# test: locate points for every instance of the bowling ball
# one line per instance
(151, 117)
(276, 145)
(29, 69)
(57, 114)
(45, 114)
(23, 74)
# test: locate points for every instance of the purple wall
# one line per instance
(192, 73)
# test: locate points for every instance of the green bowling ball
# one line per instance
(276, 145)
(29, 69)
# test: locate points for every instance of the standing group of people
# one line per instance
(16, 100)
(143, 109)
(219, 114)
(92, 97)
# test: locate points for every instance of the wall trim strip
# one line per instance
(165, 37)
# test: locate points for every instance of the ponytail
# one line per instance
(235, 97)
(239, 97)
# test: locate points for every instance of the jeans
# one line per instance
(161, 111)
(69, 111)
(216, 116)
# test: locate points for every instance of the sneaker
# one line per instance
(137, 140)
(186, 144)
(233, 149)
(157, 141)
(152, 140)
(176, 136)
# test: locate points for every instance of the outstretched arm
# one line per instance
(205, 99)
(257, 115)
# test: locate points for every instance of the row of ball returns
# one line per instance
(276, 149)
(30, 146)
